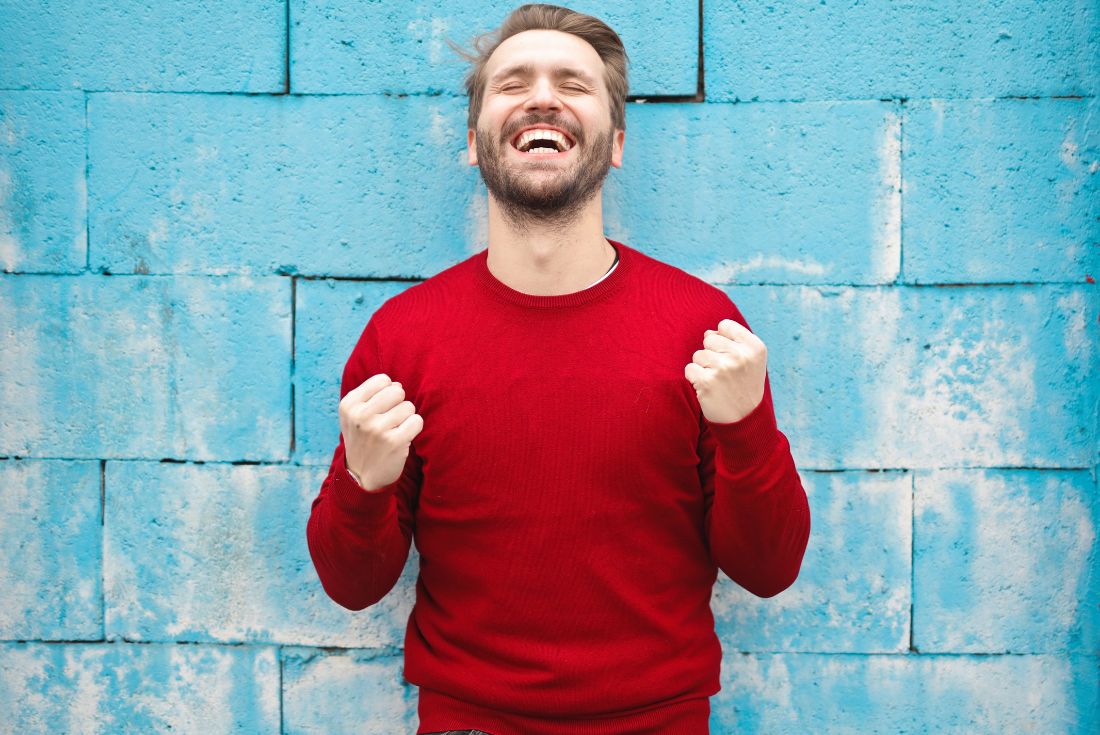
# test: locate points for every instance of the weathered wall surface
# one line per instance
(202, 203)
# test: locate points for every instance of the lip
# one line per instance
(521, 131)
(541, 156)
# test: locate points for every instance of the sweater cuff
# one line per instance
(352, 498)
(747, 441)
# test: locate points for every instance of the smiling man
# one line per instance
(577, 435)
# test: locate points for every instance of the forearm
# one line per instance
(356, 540)
(758, 524)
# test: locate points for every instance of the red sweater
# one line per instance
(570, 503)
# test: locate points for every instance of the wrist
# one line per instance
(355, 476)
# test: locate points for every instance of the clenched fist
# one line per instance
(728, 373)
(378, 427)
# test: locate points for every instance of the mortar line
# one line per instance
(279, 653)
(293, 348)
(286, 48)
(103, 549)
(912, 557)
(87, 213)
(901, 191)
(700, 84)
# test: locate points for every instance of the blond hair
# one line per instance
(539, 16)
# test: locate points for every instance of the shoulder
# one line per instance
(691, 293)
(427, 299)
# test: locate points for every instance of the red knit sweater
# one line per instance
(570, 503)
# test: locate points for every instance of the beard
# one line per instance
(528, 196)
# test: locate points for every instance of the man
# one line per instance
(578, 435)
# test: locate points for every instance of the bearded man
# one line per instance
(577, 435)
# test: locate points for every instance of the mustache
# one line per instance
(552, 122)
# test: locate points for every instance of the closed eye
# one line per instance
(572, 87)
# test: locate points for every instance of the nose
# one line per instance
(543, 96)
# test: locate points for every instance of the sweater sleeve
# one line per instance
(359, 541)
(757, 514)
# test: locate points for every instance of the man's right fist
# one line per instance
(378, 427)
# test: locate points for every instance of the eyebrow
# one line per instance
(529, 69)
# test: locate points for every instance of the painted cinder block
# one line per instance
(786, 694)
(145, 367)
(370, 47)
(925, 377)
(1002, 190)
(126, 688)
(50, 551)
(331, 185)
(329, 318)
(43, 203)
(346, 692)
(130, 44)
(1005, 561)
(218, 552)
(763, 193)
(853, 590)
(815, 50)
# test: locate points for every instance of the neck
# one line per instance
(549, 258)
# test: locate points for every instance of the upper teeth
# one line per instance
(527, 137)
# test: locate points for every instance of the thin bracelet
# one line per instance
(358, 480)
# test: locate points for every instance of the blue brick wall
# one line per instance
(202, 203)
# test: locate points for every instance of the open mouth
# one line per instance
(542, 143)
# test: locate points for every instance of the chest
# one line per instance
(544, 423)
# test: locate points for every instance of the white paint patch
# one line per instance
(175, 196)
(1010, 567)
(938, 107)
(158, 233)
(855, 604)
(203, 206)
(764, 679)
(962, 400)
(214, 689)
(23, 670)
(224, 565)
(10, 248)
(477, 220)
(22, 511)
(726, 272)
(80, 219)
(24, 417)
(343, 678)
(885, 209)
(877, 325)
(972, 392)
(1067, 151)
(613, 213)
(126, 615)
(800, 419)
(87, 689)
(206, 153)
(440, 130)
(7, 131)
(433, 31)
(128, 345)
(1078, 347)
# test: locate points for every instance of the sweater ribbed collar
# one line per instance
(608, 284)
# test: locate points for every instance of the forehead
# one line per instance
(545, 51)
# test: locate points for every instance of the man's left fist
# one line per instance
(728, 373)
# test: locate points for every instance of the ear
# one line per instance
(617, 148)
(471, 147)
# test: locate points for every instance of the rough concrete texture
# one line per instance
(201, 204)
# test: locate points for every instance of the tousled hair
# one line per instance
(540, 16)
